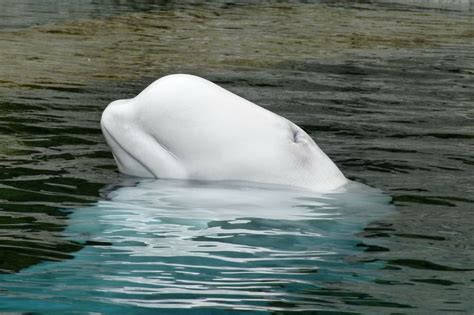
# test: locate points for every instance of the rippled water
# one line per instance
(174, 244)
(385, 88)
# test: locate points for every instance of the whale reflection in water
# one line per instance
(181, 244)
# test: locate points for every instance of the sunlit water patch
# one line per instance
(175, 244)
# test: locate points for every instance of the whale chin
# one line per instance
(126, 162)
(185, 127)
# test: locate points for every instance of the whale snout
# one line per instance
(114, 114)
(118, 130)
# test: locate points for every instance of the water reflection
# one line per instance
(179, 244)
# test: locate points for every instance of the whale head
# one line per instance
(185, 127)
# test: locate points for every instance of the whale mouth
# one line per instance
(126, 161)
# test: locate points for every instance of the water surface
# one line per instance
(384, 88)
(226, 245)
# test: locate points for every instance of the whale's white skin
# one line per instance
(185, 127)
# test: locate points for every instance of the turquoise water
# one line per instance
(384, 88)
(176, 245)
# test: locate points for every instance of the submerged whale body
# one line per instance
(186, 127)
(153, 244)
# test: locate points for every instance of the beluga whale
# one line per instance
(185, 127)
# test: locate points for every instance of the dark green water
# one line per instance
(385, 89)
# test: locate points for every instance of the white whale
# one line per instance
(185, 127)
